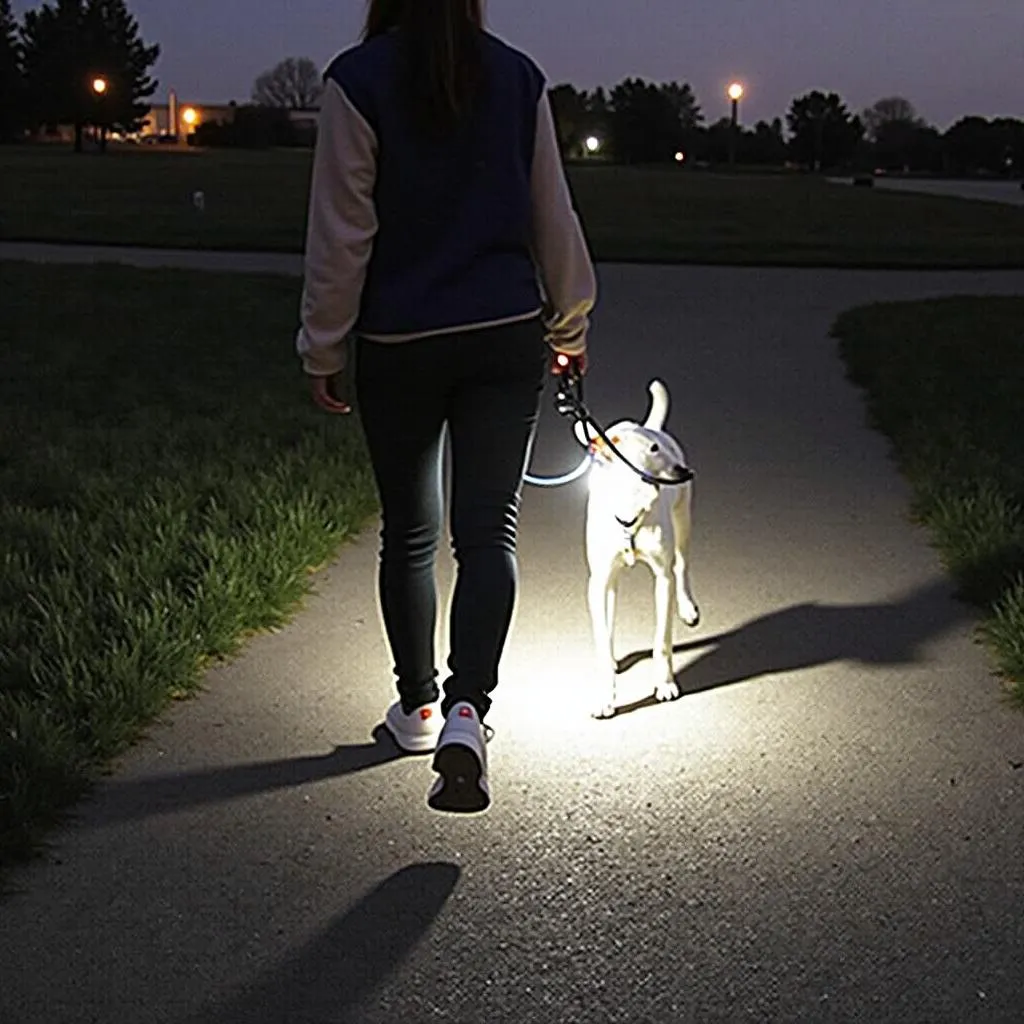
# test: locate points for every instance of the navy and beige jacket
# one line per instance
(407, 239)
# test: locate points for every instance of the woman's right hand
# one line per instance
(562, 363)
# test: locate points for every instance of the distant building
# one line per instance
(175, 120)
(181, 119)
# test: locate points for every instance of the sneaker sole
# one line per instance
(461, 771)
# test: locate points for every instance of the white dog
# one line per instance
(630, 520)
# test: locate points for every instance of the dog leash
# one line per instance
(569, 402)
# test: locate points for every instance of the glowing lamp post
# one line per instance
(736, 92)
(100, 86)
(593, 144)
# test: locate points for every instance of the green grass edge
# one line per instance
(976, 525)
(34, 836)
(307, 523)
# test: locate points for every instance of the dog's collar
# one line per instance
(629, 531)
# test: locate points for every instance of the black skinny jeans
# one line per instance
(485, 386)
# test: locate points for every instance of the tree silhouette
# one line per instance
(569, 108)
(1010, 133)
(70, 44)
(645, 123)
(766, 145)
(56, 65)
(823, 133)
(684, 103)
(294, 84)
(125, 61)
(599, 113)
(976, 145)
(12, 84)
(894, 129)
(714, 142)
(971, 145)
(641, 122)
(887, 111)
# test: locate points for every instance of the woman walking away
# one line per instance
(442, 238)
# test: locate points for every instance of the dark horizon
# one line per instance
(950, 59)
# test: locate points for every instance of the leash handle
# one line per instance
(569, 397)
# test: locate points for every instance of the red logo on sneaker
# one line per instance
(465, 713)
(425, 713)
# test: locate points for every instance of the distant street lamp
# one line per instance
(190, 116)
(593, 144)
(736, 92)
(100, 87)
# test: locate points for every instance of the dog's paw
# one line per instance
(603, 711)
(667, 691)
(689, 613)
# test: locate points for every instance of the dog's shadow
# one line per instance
(805, 635)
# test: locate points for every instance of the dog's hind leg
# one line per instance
(601, 598)
(666, 687)
(681, 525)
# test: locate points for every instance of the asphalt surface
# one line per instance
(826, 827)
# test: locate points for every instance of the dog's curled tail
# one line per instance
(657, 415)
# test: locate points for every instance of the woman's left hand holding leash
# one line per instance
(324, 391)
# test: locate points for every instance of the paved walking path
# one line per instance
(985, 191)
(826, 827)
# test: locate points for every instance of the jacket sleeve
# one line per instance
(340, 231)
(560, 248)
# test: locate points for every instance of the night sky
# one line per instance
(949, 57)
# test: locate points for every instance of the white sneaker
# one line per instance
(461, 764)
(415, 733)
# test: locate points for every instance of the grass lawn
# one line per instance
(944, 381)
(166, 486)
(143, 196)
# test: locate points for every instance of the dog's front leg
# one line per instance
(601, 597)
(681, 524)
(666, 687)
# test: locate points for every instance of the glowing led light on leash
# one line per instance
(565, 408)
(565, 478)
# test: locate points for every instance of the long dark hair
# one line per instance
(443, 68)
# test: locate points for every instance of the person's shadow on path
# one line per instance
(129, 799)
(805, 635)
(327, 978)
